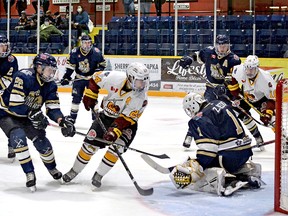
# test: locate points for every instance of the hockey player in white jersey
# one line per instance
(122, 107)
(258, 88)
(221, 163)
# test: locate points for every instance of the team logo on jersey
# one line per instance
(91, 134)
(112, 108)
(134, 114)
(84, 66)
(34, 100)
(213, 56)
(11, 58)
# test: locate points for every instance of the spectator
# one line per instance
(46, 30)
(59, 21)
(23, 21)
(158, 6)
(145, 7)
(80, 20)
(129, 7)
(21, 5)
(5, 3)
(49, 16)
(43, 3)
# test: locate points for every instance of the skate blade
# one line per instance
(32, 189)
(230, 190)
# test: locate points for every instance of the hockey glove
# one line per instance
(112, 134)
(65, 81)
(220, 90)
(38, 119)
(67, 126)
(185, 62)
(266, 117)
(91, 95)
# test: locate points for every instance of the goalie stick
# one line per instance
(167, 170)
(143, 192)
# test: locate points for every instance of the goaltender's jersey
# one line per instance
(26, 92)
(217, 68)
(120, 102)
(216, 128)
(83, 64)
(263, 85)
(8, 66)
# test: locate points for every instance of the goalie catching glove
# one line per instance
(91, 95)
(38, 119)
(67, 126)
(186, 174)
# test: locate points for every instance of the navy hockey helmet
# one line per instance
(5, 49)
(86, 43)
(222, 46)
(48, 66)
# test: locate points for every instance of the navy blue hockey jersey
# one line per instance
(26, 92)
(8, 66)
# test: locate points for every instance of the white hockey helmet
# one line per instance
(138, 76)
(192, 103)
(251, 65)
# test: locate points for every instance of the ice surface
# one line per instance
(162, 129)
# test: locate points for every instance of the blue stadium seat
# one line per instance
(182, 49)
(193, 48)
(259, 49)
(152, 36)
(266, 36)
(191, 22)
(240, 49)
(56, 48)
(277, 21)
(221, 22)
(113, 48)
(166, 36)
(205, 22)
(152, 49)
(166, 49)
(112, 36)
(128, 49)
(115, 23)
(191, 36)
(233, 22)
(165, 22)
(151, 22)
(55, 38)
(262, 21)
(205, 36)
(127, 36)
(236, 36)
(272, 50)
(246, 21)
(281, 36)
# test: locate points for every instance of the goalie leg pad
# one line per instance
(212, 182)
(186, 174)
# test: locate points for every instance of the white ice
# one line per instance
(162, 129)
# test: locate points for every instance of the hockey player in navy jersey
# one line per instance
(219, 62)
(222, 145)
(21, 115)
(85, 61)
(8, 66)
(122, 107)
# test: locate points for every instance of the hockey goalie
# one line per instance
(221, 165)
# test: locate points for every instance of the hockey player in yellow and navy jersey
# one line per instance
(85, 61)
(223, 147)
(8, 66)
(21, 115)
(219, 62)
(122, 107)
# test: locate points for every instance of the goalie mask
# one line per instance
(222, 46)
(86, 43)
(5, 49)
(138, 76)
(251, 65)
(192, 103)
(46, 66)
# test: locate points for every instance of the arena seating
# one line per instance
(195, 31)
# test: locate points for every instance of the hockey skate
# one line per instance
(96, 180)
(69, 176)
(232, 187)
(11, 154)
(55, 173)
(31, 181)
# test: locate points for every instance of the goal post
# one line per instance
(281, 148)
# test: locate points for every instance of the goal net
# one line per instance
(281, 148)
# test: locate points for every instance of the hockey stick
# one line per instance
(161, 156)
(167, 170)
(143, 192)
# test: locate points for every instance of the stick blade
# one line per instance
(144, 192)
(155, 165)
